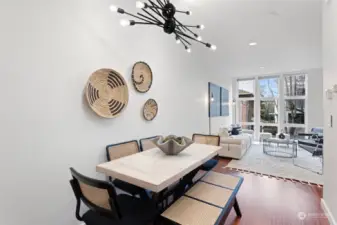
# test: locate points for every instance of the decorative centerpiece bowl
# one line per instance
(172, 145)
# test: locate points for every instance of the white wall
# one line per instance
(330, 106)
(48, 51)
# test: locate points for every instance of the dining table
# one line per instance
(154, 170)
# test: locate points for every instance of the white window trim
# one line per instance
(246, 99)
(295, 97)
(269, 99)
(269, 124)
(247, 123)
(294, 125)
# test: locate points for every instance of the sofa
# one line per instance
(234, 146)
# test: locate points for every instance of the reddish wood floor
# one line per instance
(268, 201)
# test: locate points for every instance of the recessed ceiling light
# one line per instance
(252, 43)
(261, 67)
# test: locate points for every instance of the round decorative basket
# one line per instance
(142, 77)
(150, 109)
(107, 93)
(172, 145)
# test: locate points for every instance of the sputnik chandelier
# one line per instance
(161, 14)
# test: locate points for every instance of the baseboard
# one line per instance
(328, 212)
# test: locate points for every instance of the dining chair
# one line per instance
(105, 207)
(208, 140)
(119, 150)
(147, 143)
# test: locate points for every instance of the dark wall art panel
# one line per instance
(214, 98)
(218, 100)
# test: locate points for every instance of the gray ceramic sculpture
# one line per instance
(172, 145)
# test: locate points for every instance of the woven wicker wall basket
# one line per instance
(150, 109)
(107, 93)
(142, 77)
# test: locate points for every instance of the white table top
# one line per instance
(153, 170)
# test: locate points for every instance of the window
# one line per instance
(246, 88)
(269, 104)
(272, 104)
(294, 85)
(295, 111)
(268, 111)
(269, 87)
(246, 111)
(245, 103)
(295, 101)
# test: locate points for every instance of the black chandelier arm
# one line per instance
(145, 23)
(185, 12)
(155, 10)
(155, 20)
(140, 18)
(182, 39)
(178, 28)
(183, 26)
(161, 8)
(184, 45)
(155, 7)
(192, 38)
(196, 26)
(159, 2)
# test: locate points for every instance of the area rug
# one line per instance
(255, 161)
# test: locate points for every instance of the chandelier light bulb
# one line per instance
(125, 23)
(189, 13)
(188, 49)
(213, 47)
(199, 38)
(178, 41)
(113, 8)
(201, 27)
(140, 5)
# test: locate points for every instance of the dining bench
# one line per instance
(208, 202)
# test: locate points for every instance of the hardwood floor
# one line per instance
(268, 201)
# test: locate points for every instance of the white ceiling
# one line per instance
(288, 33)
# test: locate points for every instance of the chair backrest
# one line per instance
(120, 150)
(206, 139)
(98, 196)
(147, 143)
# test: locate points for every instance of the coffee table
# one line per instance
(284, 148)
